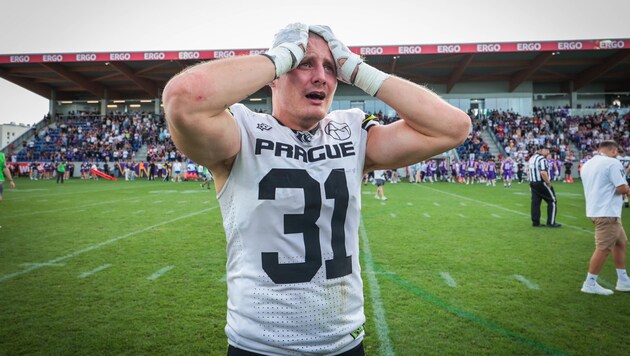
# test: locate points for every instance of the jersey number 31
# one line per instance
(336, 187)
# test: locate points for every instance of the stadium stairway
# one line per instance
(141, 154)
(489, 138)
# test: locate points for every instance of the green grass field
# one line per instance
(101, 267)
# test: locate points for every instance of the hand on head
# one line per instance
(289, 46)
(350, 66)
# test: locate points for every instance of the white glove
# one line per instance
(286, 53)
(368, 78)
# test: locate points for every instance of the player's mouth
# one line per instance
(317, 96)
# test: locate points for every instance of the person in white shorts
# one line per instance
(604, 182)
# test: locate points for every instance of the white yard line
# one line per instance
(96, 270)
(526, 282)
(29, 264)
(6, 277)
(499, 207)
(72, 208)
(160, 273)
(448, 279)
(116, 188)
(382, 330)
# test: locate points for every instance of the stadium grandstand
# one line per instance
(565, 94)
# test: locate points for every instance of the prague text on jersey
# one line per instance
(314, 154)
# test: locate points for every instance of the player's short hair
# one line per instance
(608, 144)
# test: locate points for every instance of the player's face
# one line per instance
(302, 97)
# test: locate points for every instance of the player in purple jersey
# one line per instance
(48, 170)
(507, 171)
(443, 170)
(470, 171)
(461, 177)
(553, 168)
(479, 170)
(428, 170)
(491, 172)
(82, 169)
(558, 164)
(454, 177)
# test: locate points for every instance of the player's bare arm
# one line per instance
(196, 100)
(429, 125)
(622, 189)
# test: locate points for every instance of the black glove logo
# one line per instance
(338, 131)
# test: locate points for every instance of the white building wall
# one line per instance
(9, 132)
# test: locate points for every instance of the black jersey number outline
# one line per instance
(335, 187)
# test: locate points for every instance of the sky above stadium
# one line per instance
(44, 26)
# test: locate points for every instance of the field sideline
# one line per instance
(101, 267)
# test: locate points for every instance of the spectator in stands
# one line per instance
(211, 128)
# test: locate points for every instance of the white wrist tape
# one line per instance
(347, 69)
(369, 79)
(285, 57)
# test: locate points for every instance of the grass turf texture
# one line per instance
(101, 267)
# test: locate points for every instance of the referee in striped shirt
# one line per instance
(541, 188)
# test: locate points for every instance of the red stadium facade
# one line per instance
(508, 76)
(478, 78)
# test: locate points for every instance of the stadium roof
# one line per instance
(143, 75)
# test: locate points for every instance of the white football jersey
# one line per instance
(291, 210)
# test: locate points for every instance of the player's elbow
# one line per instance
(460, 127)
(174, 100)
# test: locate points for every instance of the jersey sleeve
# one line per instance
(368, 122)
(617, 174)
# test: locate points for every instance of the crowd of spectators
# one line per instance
(557, 129)
(84, 136)
(474, 146)
(91, 137)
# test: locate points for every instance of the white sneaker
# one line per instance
(377, 197)
(595, 289)
(623, 286)
(384, 198)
